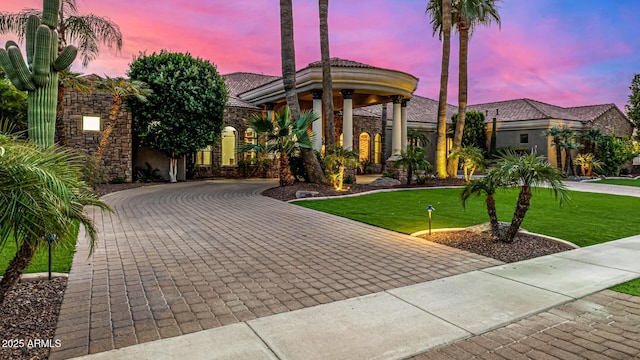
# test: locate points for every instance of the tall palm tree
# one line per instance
(311, 163)
(121, 89)
(41, 193)
(486, 185)
(327, 86)
(282, 137)
(467, 14)
(527, 172)
(67, 79)
(440, 12)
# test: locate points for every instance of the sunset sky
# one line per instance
(565, 52)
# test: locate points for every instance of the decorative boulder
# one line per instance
(301, 194)
(385, 182)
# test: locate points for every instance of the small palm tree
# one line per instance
(121, 89)
(336, 160)
(413, 159)
(472, 160)
(555, 133)
(568, 147)
(592, 137)
(526, 172)
(41, 193)
(282, 137)
(488, 186)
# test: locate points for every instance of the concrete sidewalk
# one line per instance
(402, 322)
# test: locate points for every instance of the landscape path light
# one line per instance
(430, 209)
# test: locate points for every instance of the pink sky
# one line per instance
(547, 50)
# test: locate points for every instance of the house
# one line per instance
(375, 109)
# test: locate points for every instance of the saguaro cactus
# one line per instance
(39, 75)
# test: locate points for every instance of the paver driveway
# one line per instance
(179, 258)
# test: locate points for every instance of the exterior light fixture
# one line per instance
(430, 209)
(50, 239)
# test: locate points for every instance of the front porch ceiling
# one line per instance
(371, 86)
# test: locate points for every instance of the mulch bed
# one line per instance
(28, 319)
(524, 246)
(286, 193)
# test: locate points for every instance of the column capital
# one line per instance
(347, 93)
(317, 94)
(404, 102)
(397, 99)
(270, 106)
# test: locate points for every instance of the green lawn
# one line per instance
(62, 257)
(625, 182)
(579, 221)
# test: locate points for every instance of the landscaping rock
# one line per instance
(301, 194)
(384, 181)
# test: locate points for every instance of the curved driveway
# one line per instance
(179, 258)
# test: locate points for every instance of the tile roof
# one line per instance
(338, 62)
(240, 82)
(528, 109)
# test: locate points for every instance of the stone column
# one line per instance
(347, 119)
(396, 132)
(270, 108)
(403, 116)
(317, 125)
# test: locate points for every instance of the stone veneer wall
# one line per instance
(117, 158)
(613, 121)
(234, 117)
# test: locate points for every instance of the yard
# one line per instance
(586, 219)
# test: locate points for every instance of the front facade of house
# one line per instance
(375, 109)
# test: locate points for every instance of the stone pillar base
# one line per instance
(399, 173)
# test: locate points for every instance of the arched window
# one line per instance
(229, 146)
(250, 137)
(340, 140)
(377, 148)
(364, 147)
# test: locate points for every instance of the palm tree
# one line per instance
(440, 12)
(121, 89)
(87, 31)
(311, 163)
(526, 172)
(41, 193)
(466, 15)
(555, 132)
(282, 136)
(472, 160)
(592, 137)
(336, 160)
(413, 159)
(486, 185)
(327, 86)
(71, 80)
(568, 147)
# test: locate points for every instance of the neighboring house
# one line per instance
(374, 110)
